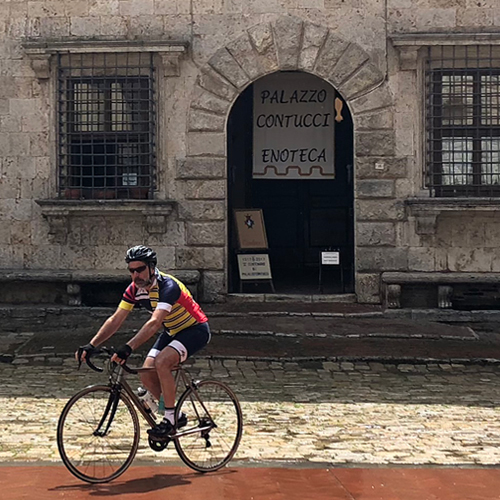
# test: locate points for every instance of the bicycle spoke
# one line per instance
(97, 458)
(207, 450)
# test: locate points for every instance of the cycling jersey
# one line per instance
(167, 293)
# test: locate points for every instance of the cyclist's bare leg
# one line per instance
(165, 362)
(150, 379)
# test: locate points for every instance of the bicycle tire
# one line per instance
(224, 409)
(93, 458)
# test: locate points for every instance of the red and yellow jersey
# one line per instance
(170, 294)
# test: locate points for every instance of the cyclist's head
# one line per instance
(141, 253)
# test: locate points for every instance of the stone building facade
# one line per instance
(415, 224)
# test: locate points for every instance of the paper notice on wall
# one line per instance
(293, 127)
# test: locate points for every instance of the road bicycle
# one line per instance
(98, 431)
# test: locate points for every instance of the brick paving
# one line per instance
(307, 411)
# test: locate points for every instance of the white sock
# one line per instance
(169, 415)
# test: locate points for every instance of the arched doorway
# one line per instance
(304, 214)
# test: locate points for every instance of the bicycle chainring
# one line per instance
(157, 445)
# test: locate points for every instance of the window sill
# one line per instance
(427, 210)
(59, 212)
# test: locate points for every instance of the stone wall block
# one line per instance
(206, 233)
(252, 63)
(201, 121)
(206, 143)
(202, 99)
(361, 82)
(114, 26)
(205, 190)
(470, 259)
(200, 258)
(51, 27)
(262, 38)
(39, 144)
(20, 144)
(8, 88)
(288, 33)
(214, 83)
(313, 38)
(376, 143)
(135, 8)
(201, 168)
(351, 59)
(213, 286)
(381, 167)
(20, 233)
(224, 63)
(329, 55)
(202, 210)
(421, 259)
(381, 97)
(174, 236)
(380, 210)
(379, 120)
(381, 259)
(376, 234)
(375, 188)
(368, 288)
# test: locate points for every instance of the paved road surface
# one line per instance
(160, 483)
(331, 413)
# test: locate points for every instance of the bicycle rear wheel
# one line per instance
(98, 434)
(215, 425)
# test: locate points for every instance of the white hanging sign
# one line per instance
(330, 258)
(293, 127)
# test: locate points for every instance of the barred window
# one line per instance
(106, 116)
(463, 121)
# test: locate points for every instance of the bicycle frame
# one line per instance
(118, 384)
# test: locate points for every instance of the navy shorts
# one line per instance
(186, 342)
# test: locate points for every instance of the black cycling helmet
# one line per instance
(141, 253)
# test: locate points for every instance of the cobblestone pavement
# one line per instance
(308, 411)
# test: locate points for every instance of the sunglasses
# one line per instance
(139, 269)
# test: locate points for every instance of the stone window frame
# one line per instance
(58, 212)
(411, 49)
(106, 125)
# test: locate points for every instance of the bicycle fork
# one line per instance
(108, 415)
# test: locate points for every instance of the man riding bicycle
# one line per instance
(172, 306)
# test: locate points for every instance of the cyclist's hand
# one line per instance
(121, 354)
(83, 352)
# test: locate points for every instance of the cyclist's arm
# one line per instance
(149, 328)
(110, 326)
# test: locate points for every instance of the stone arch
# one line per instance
(286, 44)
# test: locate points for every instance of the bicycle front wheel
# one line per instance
(214, 427)
(98, 434)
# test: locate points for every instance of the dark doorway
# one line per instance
(302, 217)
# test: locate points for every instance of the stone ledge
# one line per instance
(439, 277)
(393, 282)
(58, 213)
(409, 44)
(75, 281)
(427, 210)
(40, 52)
(86, 276)
(436, 38)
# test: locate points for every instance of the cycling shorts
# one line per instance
(186, 342)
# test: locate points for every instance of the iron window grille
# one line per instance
(463, 121)
(106, 120)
